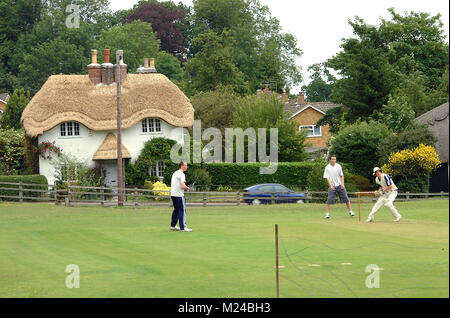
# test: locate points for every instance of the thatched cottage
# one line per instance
(79, 113)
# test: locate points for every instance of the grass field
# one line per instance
(231, 253)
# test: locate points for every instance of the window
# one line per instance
(281, 188)
(265, 188)
(70, 129)
(151, 125)
(157, 169)
(312, 131)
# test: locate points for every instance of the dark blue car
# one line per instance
(262, 194)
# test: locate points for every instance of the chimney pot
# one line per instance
(107, 53)
(107, 70)
(94, 72)
(147, 68)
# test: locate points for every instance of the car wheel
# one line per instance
(300, 201)
(256, 202)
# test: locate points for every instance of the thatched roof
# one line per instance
(75, 98)
(437, 120)
(108, 149)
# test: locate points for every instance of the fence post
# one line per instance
(55, 192)
(273, 197)
(102, 203)
(20, 192)
(407, 195)
(136, 198)
(442, 194)
(239, 198)
(204, 199)
(67, 199)
(307, 196)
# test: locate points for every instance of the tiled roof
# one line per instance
(292, 107)
(4, 97)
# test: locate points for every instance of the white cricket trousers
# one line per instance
(387, 200)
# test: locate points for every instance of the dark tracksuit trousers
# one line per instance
(179, 210)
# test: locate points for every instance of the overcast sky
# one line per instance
(320, 25)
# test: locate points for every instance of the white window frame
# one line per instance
(311, 127)
(151, 126)
(74, 128)
(157, 169)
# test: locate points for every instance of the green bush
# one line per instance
(199, 178)
(360, 183)
(12, 151)
(315, 179)
(356, 144)
(148, 185)
(28, 179)
(413, 185)
(405, 140)
(154, 149)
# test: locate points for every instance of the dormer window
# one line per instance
(151, 125)
(70, 129)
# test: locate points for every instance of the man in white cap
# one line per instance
(388, 192)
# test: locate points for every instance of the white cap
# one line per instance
(376, 169)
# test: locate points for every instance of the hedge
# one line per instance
(245, 174)
(29, 179)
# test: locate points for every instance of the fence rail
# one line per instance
(72, 195)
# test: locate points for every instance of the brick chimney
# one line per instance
(123, 71)
(95, 74)
(301, 98)
(107, 70)
(147, 68)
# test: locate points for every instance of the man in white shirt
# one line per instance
(335, 178)
(177, 188)
(388, 192)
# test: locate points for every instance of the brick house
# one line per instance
(306, 115)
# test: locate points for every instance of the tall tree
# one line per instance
(166, 23)
(319, 89)
(213, 65)
(373, 63)
(16, 104)
(266, 111)
(262, 51)
(136, 39)
(16, 17)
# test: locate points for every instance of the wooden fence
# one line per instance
(73, 195)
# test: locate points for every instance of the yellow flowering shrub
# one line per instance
(164, 190)
(415, 162)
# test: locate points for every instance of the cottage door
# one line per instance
(110, 168)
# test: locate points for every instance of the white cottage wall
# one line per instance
(84, 146)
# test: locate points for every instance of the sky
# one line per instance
(320, 25)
